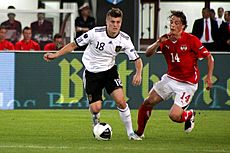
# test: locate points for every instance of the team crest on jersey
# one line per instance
(118, 48)
(183, 47)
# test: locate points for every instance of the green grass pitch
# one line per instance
(70, 131)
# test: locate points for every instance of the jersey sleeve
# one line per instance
(200, 50)
(17, 46)
(11, 46)
(160, 48)
(37, 47)
(130, 51)
(85, 38)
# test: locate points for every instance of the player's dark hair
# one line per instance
(2, 27)
(26, 28)
(57, 35)
(206, 8)
(228, 12)
(180, 15)
(212, 11)
(115, 12)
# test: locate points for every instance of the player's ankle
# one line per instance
(138, 132)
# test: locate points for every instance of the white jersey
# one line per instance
(101, 51)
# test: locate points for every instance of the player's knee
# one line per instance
(95, 108)
(121, 104)
(149, 101)
(174, 117)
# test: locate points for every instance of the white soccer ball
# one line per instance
(102, 131)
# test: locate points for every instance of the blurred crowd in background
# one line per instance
(213, 29)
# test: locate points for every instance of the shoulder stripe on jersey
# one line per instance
(124, 36)
(100, 29)
(76, 42)
(201, 47)
(134, 59)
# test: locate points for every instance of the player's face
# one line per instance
(59, 43)
(205, 13)
(85, 12)
(11, 16)
(2, 33)
(41, 16)
(220, 12)
(27, 34)
(226, 16)
(113, 25)
(176, 26)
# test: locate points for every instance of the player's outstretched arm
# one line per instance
(138, 75)
(208, 79)
(152, 49)
(66, 49)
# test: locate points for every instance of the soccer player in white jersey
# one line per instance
(104, 43)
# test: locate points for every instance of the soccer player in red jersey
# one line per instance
(56, 44)
(5, 44)
(27, 44)
(181, 51)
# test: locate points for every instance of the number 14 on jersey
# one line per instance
(175, 57)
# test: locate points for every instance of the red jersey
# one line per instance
(181, 57)
(6, 45)
(50, 46)
(23, 45)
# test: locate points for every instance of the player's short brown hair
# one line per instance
(57, 35)
(180, 15)
(26, 28)
(115, 12)
(2, 27)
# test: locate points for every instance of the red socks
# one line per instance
(143, 115)
(186, 115)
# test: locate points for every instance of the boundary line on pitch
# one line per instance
(194, 150)
(106, 148)
(33, 147)
(155, 149)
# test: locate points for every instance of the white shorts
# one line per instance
(168, 87)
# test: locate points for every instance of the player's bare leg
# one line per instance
(95, 109)
(177, 114)
(124, 112)
(145, 110)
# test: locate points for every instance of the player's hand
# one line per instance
(228, 41)
(208, 81)
(164, 38)
(49, 56)
(136, 80)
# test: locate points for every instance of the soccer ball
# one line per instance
(102, 131)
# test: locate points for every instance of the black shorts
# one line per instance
(96, 82)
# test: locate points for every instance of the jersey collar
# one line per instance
(110, 36)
